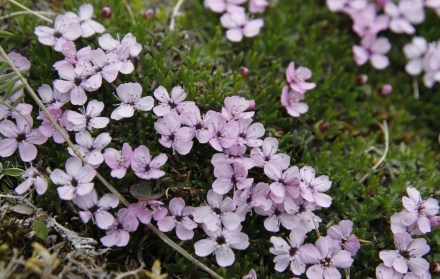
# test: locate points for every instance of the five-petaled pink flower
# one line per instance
(88, 119)
(373, 49)
(146, 167)
(343, 233)
(95, 209)
(119, 161)
(180, 220)
(21, 136)
(312, 187)
(32, 177)
(118, 234)
(230, 176)
(84, 18)
(173, 135)
(77, 180)
(220, 243)
(91, 148)
(176, 102)
(130, 96)
(297, 78)
(65, 29)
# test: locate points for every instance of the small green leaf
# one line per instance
(13, 172)
(5, 34)
(40, 229)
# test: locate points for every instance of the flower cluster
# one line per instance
(235, 19)
(293, 93)
(418, 218)
(369, 19)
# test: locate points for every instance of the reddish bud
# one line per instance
(251, 106)
(106, 12)
(435, 269)
(386, 89)
(244, 72)
(324, 126)
(434, 221)
(148, 13)
(361, 79)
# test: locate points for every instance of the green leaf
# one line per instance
(5, 34)
(6, 77)
(13, 172)
(40, 229)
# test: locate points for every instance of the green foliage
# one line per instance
(339, 136)
(40, 229)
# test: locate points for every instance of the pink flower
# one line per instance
(90, 118)
(290, 99)
(240, 26)
(343, 233)
(312, 187)
(373, 49)
(7, 109)
(77, 180)
(179, 220)
(397, 225)
(47, 128)
(32, 177)
(52, 98)
(21, 136)
(231, 155)
(253, 197)
(325, 259)
(118, 234)
(408, 254)
(96, 210)
(222, 134)
(218, 211)
(287, 181)
(71, 56)
(175, 103)
(91, 148)
(297, 78)
(65, 29)
(276, 216)
(20, 62)
(289, 253)
(346, 6)
(126, 50)
(146, 167)
(119, 161)
(221, 6)
(431, 65)
(267, 155)
(220, 243)
(88, 26)
(304, 211)
(251, 275)
(230, 176)
(404, 14)
(173, 135)
(418, 211)
(258, 6)
(236, 108)
(199, 126)
(100, 66)
(73, 81)
(130, 96)
(414, 52)
(249, 134)
(367, 22)
(145, 210)
(385, 272)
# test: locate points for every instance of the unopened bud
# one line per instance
(324, 126)
(435, 269)
(251, 106)
(434, 221)
(361, 79)
(244, 72)
(106, 12)
(148, 13)
(386, 89)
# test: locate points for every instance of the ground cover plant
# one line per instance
(198, 139)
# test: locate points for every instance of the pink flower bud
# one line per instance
(148, 13)
(381, 3)
(386, 89)
(435, 221)
(106, 12)
(251, 106)
(361, 79)
(244, 72)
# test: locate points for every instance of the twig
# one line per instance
(31, 11)
(63, 133)
(175, 12)
(386, 137)
(130, 12)
(25, 13)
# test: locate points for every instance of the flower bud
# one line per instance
(106, 12)
(148, 13)
(244, 72)
(361, 79)
(386, 89)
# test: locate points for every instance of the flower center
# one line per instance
(74, 182)
(327, 262)
(292, 251)
(217, 211)
(57, 34)
(405, 254)
(221, 240)
(179, 218)
(77, 81)
(20, 137)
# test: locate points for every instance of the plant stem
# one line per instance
(31, 11)
(175, 12)
(130, 12)
(110, 187)
(25, 13)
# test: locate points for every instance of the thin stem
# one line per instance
(175, 12)
(386, 137)
(130, 12)
(64, 134)
(25, 13)
(416, 88)
(31, 11)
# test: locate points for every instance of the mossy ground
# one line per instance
(340, 135)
